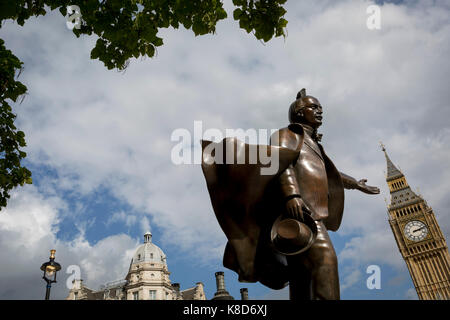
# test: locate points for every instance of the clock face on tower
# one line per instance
(416, 230)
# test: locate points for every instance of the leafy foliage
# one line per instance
(263, 17)
(125, 29)
(129, 28)
(11, 140)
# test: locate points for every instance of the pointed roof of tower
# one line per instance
(392, 171)
(402, 196)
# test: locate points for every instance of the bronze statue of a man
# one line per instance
(248, 204)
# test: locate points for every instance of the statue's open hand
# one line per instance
(367, 189)
(295, 208)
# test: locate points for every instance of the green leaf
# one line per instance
(237, 13)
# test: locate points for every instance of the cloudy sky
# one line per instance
(99, 141)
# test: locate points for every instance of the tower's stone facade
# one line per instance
(418, 236)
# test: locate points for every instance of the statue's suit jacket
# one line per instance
(246, 202)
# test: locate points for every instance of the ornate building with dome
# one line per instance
(147, 279)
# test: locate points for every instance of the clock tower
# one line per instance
(418, 236)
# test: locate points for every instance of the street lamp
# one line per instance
(50, 269)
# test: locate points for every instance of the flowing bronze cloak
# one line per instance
(247, 202)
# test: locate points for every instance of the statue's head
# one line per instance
(306, 110)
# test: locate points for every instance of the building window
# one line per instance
(136, 295)
(75, 295)
(167, 296)
(151, 255)
(152, 294)
(139, 257)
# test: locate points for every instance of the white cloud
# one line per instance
(27, 233)
(128, 219)
(351, 279)
(145, 225)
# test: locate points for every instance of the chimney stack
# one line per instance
(220, 281)
(221, 293)
(244, 294)
(176, 288)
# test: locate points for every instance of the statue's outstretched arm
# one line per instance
(351, 183)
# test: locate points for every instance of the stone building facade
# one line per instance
(147, 279)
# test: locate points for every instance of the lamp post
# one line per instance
(50, 269)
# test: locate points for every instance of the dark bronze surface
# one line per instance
(247, 204)
(290, 236)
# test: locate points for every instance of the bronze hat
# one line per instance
(290, 236)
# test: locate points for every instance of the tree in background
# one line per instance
(125, 29)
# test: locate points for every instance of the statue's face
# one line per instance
(312, 112)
